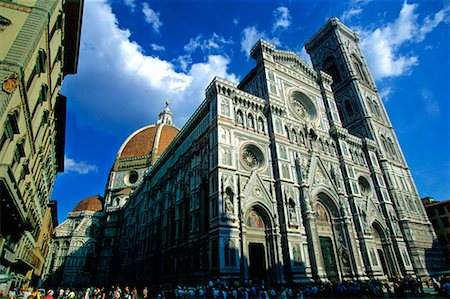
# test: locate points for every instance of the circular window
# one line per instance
(302, 106)
(364, 185)
(131, 177)
(252, 157)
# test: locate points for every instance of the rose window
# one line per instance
(364, 185)
(252, 157)
(303, 106)
(301, 110)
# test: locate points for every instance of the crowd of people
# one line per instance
(219, 289)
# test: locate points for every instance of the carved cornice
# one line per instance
(325, 32)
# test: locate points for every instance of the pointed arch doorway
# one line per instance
(260, 249)
(381, 248)
(325, 232)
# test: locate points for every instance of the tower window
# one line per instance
(330, 67)
(358, 67)
(348, 108)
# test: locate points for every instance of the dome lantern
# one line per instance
(165, 116)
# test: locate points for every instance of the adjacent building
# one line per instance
(439, 214)
(39, 47)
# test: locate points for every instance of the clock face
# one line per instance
(302, 106)
(252, 157)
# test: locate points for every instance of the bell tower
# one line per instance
(335, 50)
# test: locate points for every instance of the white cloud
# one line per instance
(156, 47)
(151, 17)
(432, 22)
(251, 35)
(184, 61)
(118, 88)
(130, 3)
(349, 13)
(282, 18)
(383, 46)
(431, 105)
(235, 21)
(215, 42)
(70, 165)
(385, 93)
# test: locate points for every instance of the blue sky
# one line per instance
(136, 54)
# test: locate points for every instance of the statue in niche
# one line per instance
(395, 225)
(296, 254)
(364, 220)
(250, 122)
(344, 257)
(239, 118)
(260, 125)
(292, 215)
(229, 207)
(333, 175)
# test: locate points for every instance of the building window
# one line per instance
(41, 61)
(11, 126)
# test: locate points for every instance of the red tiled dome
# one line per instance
(92, 203)
(142, 141)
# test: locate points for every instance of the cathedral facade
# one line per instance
(293, 175)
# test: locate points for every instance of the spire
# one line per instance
(165, 116)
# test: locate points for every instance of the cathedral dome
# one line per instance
(92, 203)
(153, 139)
(145, 145)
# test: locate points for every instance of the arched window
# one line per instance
(377, 110)
(287, 132)
(348, 108)
(391, 148)
(330, 67)
(358, 67)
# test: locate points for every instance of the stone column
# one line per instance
(356, 262)
(315, 251)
